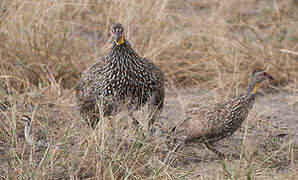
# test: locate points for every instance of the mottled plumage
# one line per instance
(211, 124)
(33, 138)
(121, 79)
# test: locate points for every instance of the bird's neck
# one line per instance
(252, 88)
(121, 53)
(28, 134)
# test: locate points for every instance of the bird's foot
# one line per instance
(219, 154)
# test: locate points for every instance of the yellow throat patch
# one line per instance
(121, 41)
(255, 88)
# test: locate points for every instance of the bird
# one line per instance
(37, 139)
(120, 79)
(208, 125)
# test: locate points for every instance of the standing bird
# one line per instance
(122, 78)
(37, 138)
(211, 124)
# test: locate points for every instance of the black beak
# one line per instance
(117, 37)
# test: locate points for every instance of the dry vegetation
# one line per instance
(208, 47)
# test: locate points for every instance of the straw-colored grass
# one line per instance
(208, 48)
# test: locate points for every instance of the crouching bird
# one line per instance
(33, 138)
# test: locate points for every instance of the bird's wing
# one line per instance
(153, 69)
(40, 135)
(86, 87)
(156, 72)
(205, 121)
(40, 138)
(210, 122)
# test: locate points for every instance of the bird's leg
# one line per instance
(155, 105)
(135, 122)
(151, 129)
(211, 148)
(92, 121)
(153, 117)
(151, 122)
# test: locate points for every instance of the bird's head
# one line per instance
(117, 31)
(26, 119)
(257, 77)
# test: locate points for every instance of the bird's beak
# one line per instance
(119, 39)
(270, 77)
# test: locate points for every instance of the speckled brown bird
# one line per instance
(213, 123)
(120, 79)
(34, 138)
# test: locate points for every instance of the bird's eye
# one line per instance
(264, 73)
(112, 31)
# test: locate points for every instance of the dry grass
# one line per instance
(208, 45)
